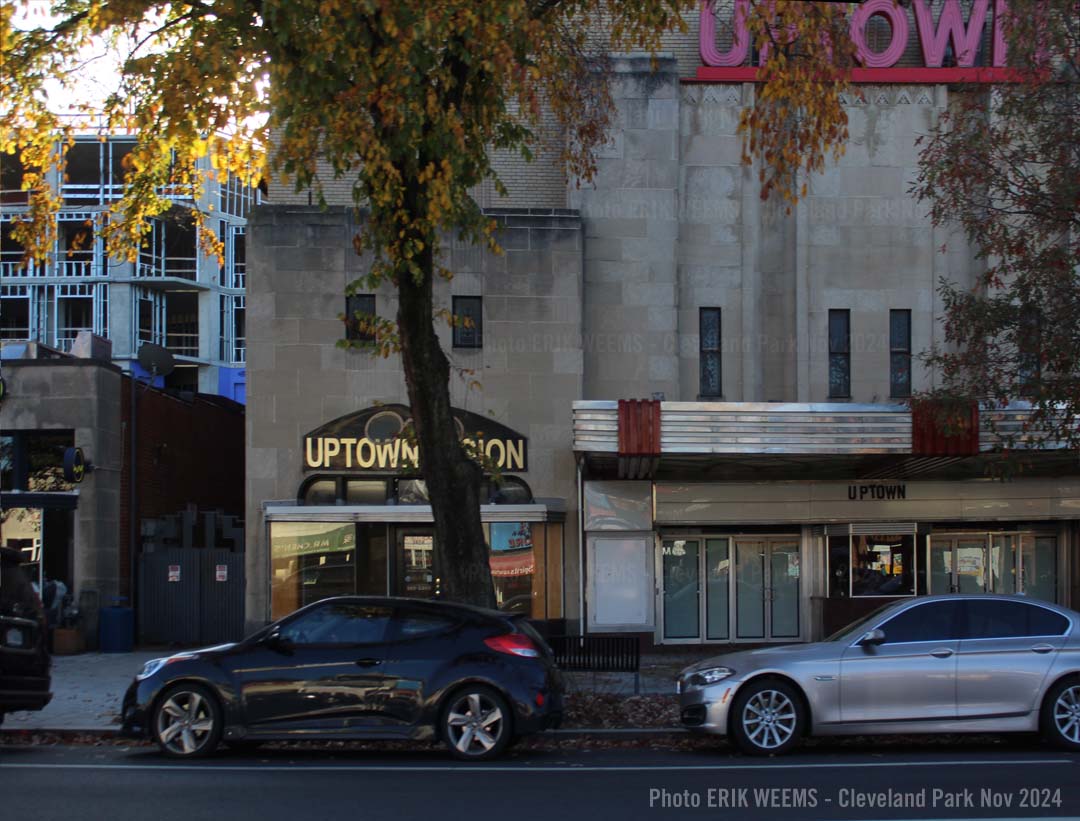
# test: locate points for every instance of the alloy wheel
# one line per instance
(475, 724)
(769, 719)
(1067, 714)
(186, 722)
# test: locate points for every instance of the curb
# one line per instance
(572, 732)
(617, 731)
(22, 732)
(568, 732)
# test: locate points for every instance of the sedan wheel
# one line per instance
(1061, 714)
(767, 718)
(187, 722)
(476, 724)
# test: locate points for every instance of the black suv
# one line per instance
(24, 657)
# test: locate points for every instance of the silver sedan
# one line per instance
(935, 664)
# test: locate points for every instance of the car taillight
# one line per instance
(516, 644)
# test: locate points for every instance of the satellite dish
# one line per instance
(155, 360)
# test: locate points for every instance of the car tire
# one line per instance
(767, 717)
(187, 721)
(1060, 716)
(476, 723)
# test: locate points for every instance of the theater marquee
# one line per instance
(378, 440)
(935, 39)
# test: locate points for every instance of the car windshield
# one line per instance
(861, 625)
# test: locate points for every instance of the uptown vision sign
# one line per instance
(378, 440)
(936, 38)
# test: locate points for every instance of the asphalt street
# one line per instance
(962, 781)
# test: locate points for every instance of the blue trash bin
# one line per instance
(116, 629)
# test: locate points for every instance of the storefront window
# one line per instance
(513, 565)
(1040, 567)
(21, 530)
(883, 565)
(45, 460)
(310, 561)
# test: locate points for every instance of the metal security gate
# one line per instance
(191, 596)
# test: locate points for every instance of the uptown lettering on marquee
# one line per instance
(876, 492)
(934, 39)
(345, 453)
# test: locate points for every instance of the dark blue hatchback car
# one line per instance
(356, 668)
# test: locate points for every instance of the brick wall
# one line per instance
(189, 452)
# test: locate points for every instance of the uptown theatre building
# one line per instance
(771, 483)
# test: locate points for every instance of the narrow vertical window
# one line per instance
(839, 354)
(900, 354)
(1029, 350)
(364, 305)
(709, 351)
(468, 322)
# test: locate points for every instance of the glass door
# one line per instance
(1023, 563)
(970, 565)
(1004, 563)
(750, 589)
(784, 577)
(717, 589)
(1038, 566)
(958, 564)
(681, 574)
(696, 589)
(415, 573)
(767, 587)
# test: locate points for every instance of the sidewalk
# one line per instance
(87, 692)
(88, 688)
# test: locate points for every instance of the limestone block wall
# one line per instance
(530, 368)
(865, 244)
(630, 213)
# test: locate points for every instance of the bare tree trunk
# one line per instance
(453, 479)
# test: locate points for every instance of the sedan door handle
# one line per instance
(1042, 648)
(941, 653)
(367, 662)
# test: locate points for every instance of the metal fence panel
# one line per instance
(169, 583)
(222, 596)
(191, 596)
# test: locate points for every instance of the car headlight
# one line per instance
(707, 677)
(154, 665)
(150, 668)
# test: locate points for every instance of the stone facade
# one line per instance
(602, 301)
(529, 370)
(83, 396)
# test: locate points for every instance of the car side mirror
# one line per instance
(872, 638)
(275, 641)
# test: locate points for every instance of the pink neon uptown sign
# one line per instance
(879, 66)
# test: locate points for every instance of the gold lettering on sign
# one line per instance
(314, 461)
(365, 460)
(501, 461)
(337, 453)
(515, 455)
(347, 448)
(388, 453)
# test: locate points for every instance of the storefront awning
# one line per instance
(550, 510)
